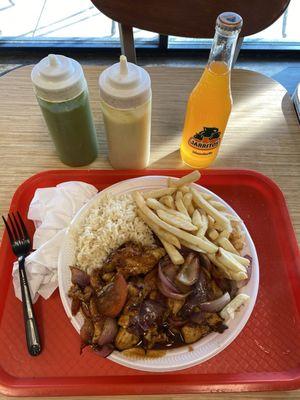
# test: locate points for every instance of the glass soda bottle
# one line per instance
(209, 105)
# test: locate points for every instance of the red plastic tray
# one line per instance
(265, 356)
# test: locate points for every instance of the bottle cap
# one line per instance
(124, 85)
(57, 78)
(229, 21)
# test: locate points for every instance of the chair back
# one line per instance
(191, 18)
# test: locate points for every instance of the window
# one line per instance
(284, 33)
(79, 23)
(54, 21)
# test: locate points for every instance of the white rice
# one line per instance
(110, 223)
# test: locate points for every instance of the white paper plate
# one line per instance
(175, 359)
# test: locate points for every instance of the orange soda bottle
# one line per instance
(209, 105)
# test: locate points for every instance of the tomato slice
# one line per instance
(112, 297)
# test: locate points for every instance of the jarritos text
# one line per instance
(209, 138)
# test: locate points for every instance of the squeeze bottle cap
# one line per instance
(124, 85)
(57, 78)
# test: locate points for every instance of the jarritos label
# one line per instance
(207, 139)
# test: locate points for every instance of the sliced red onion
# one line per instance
(189, 257)
(87, 331)
(183, 288)
(248, 257)
(202, 288)
(75, 305)
(169, 269)
(216, 305)
(109, 332)
(177, 323)
(168, 293)
(189, 273)
(198, 317)
(104, 351)
(79, 277)
(233, 289)
(151, 313)
(165, 281)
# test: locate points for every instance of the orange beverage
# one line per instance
(210, 102)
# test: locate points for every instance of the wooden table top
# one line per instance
(263, 134)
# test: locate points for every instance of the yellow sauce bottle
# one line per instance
(210, 102)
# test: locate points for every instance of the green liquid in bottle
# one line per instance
(70, 124)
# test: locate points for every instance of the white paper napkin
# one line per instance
(51, 210)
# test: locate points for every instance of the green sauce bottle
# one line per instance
(62, 94)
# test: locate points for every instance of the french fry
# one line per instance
(236, 276)
(212, 234)
(178, 195)
(167, 236)
(204, 226)
(217, 227)
(173, 253)
(180, 234)
(168, 201)
(157, 205)
(238, 244)
(157, 193)
(211, 222)
(175, 221)
(237, 236)
(236, 225)
(185, 180)
(201, 221)
(244, 261)
(187, 199)
(184, 189)
(179, 203)
(191, 209)
(224, 234)
(229, 261)
(232, 217)
(206, 196)
(170, 183)
(190, 246)
(218, 205)
(226, 244)
(218, 264)
(196, 218)
(210, 210)
(229, 310)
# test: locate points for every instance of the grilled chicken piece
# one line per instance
(98, 327)
(134, 352)
(95, 279)
(125, 340)
(132, 259)
(123, 321)
(75, 292)
(192, 332)
(215, 322)
(153, 337)
(175, 305)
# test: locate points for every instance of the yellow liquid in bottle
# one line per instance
(207, 114)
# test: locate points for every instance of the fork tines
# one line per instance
(16, 228)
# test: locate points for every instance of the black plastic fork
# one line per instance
(21, 245)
